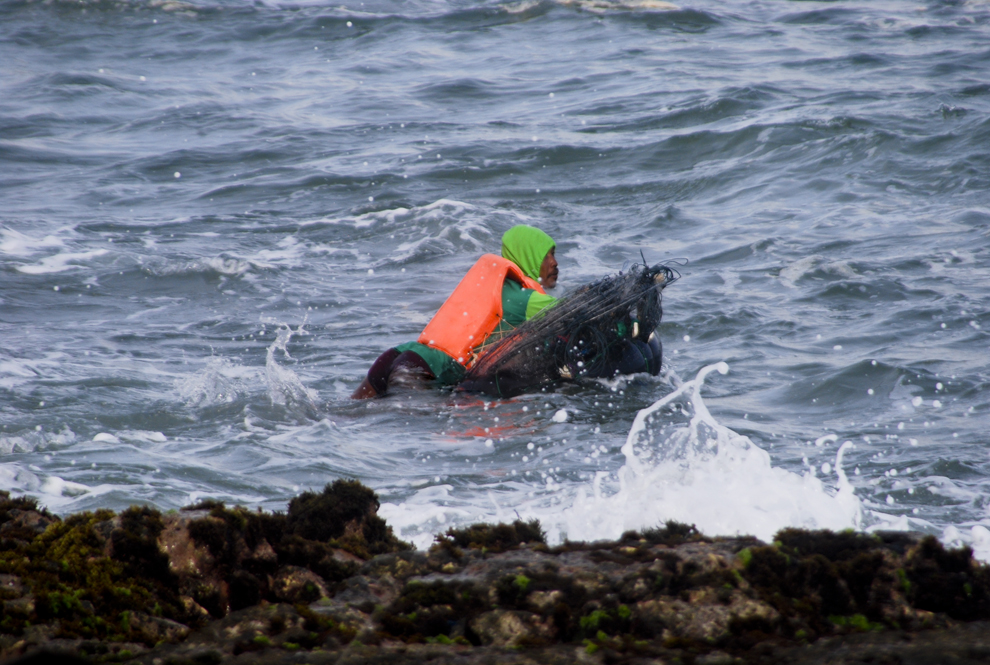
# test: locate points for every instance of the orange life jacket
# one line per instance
(474, 309)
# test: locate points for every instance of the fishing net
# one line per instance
(584, 335)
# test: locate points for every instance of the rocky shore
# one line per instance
(328, 582)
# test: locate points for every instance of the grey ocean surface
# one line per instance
(214, 215)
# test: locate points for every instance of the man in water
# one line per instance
(495, 296)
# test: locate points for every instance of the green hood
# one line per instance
(526, 246)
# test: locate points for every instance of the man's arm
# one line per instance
(537, 303)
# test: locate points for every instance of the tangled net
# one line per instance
(581, 336)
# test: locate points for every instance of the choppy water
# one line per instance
(214, 215)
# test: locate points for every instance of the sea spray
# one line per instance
(703, 473)
(215, 384)
(680, 464)
(284, 387)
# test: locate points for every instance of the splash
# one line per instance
(214, 384)
(284, 387)
(679, 464)
(700, 472)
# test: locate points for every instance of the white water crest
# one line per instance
(216, 383)
(680, 464)
(285, 388)
(703, 473)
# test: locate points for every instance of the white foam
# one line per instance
(705, 474)
(790, 274)
(33, 440)
(16, 243)
(439, 209)
(142, 436)
(217, 383)
(604, 6)
(60, 262)
(55, 486)
(284, 387)
(695, 471)
(18, 480)
(980, 542)
(227, 266)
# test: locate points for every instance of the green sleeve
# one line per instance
(537, 303)
(446, 370)
(520, 305)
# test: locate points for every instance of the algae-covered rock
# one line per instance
(826, 583)
(327, 581)
(141, 577)
(344, 514)
(91, 576)
(512, 628)
(494, 537)
(293, 584)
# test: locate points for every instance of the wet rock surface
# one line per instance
(328, 582)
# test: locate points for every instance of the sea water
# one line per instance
(215, 214)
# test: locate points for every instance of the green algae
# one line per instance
(100, 576)
(317, 525)
(342, 516)
(602, 623)
(89, 574)
(947, 581)
(857, 622)
(494, 538)
(428, 610)
(345, 516)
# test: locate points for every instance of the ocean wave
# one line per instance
(680, 464)
(418, 233)
(227, 266)
(36, 440)
(61, 262)
(219, 382)
(15, 243)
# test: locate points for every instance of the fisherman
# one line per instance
(496, 295)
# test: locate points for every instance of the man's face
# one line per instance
(548, 270)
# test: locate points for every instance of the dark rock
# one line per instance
(512, 628)
(216, 584)
(298, 585)
(345, 513)
(11, 586)
(494, 537)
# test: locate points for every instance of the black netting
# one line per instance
(583, 335)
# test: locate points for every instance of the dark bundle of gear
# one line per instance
(583, 335)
